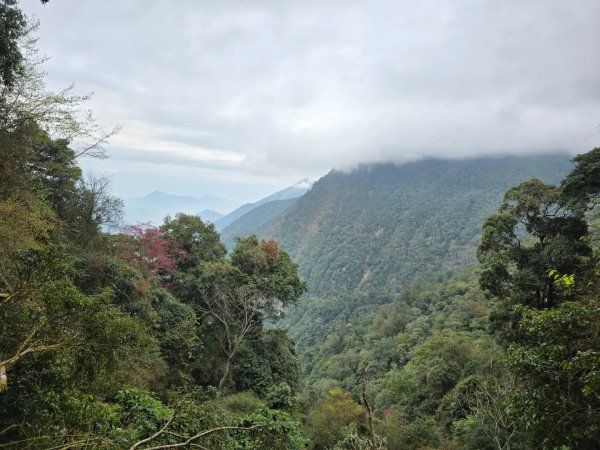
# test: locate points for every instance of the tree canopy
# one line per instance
(109, 338)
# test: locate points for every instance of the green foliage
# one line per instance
(256, 221)
(243, 403)
(425, 351)
(581, 187)
(353, 440)
(198, 240)
(531, 233)
(232, 299)
(174, 325)
(98, 352)
(24, 224)
(327, 422)
(543, 273)
(383, 226)
(270, 271)
(269, 361)
(13, 27)
(558, 362)
(338, 340)
(427, 383)
(280, 396)
(515, 270)
(421, 434)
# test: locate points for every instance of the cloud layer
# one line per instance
(265, 93)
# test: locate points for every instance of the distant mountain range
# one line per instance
(156, 206)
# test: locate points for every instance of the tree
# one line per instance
(532, 231)
(198, 240)
(490, 420)
(270, 271)
(13, 27)
(144, 247)
(193, 424)
(581, 188)
(28, 108)
(537, 261)
(24, 226)
(236, 312)
(557, 361)
(235, 297)
(44, 312)
(436, 366)
(328, 421)
(267, 365)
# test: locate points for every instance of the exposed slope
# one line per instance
(255, 221)
(291, 192)
(385, 226)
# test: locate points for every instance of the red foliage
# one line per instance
(270, 249)
(144, 247)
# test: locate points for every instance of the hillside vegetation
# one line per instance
(144, 337)
(451, 304)
(255, 221)
(380, 227)
(501, 355)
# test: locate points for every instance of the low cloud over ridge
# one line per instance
(273, 91)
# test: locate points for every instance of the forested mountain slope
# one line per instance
(384, 226)
(254, 221)
(291, 192)
(502, 355)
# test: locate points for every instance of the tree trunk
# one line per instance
(369, 411)
(3, 379)
(225, 373)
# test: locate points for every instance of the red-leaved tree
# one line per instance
(144, 247)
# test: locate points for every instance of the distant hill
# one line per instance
(208, 215)
(254, 221)
(385, 226)
(291, 192)
(155, 206)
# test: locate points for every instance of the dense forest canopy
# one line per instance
(383, 226)
(138, 336)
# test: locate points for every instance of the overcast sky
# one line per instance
(241, 98)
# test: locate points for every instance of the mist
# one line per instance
(238, 99)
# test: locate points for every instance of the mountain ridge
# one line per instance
(385, 225)
(155, 206)
(291, 192)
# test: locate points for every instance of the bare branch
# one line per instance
(235, 309)
(189, 441)
(154, 436)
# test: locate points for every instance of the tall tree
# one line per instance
(269, 270)
(532, 232)
(198, 240)
(549, 319)
(581, 188)
(235, 297)
(13, 27)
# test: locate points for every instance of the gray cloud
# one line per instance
(269, 92)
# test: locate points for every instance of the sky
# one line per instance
(241, 98)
